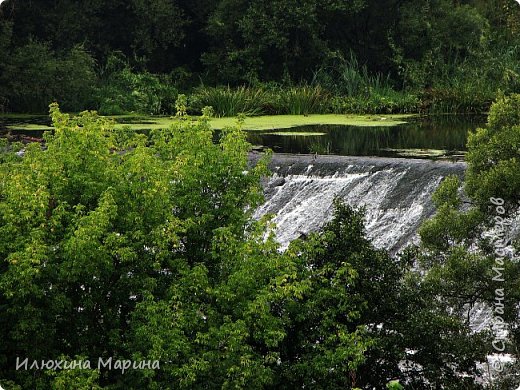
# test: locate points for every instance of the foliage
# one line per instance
(470, 239)
(494, 155)
(159, 27)
(123, 90)
(349, 78)
(33, 75)
(376, 56)
(114, 244)
(227, 101)
(394, 385)
(391, 103)
(259, 100)
(303, 101)
(91, 225)
(273, 40)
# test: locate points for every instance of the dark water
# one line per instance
(23, 135)
(422, 137)
(426, 137)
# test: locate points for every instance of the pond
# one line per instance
(421, 137)
(425, 137)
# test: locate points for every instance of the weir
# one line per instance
(396, 194)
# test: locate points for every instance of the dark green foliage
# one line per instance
(262, 99)
(391, 102)
(33, 75)
(398, 310)
(376, 57)
(303, 100)
(227, 101)
(123, 90)
(494, 155)
(463, 243)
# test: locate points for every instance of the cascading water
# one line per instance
(396, 194)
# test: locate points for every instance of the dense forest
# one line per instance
(358, 55)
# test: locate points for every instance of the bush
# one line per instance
(494, 155)
(346, 77)
(89, 235)
(392, 103)
(124, 91)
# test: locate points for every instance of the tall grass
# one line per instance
(303, 100)
(346, 77)
(469, 89)
(227, 101)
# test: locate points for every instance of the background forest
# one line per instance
(353, 56)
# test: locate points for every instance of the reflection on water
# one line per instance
(423, 137)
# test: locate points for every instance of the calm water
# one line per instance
(423, 137)
(427, 137)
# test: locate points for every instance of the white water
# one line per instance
(396, 196)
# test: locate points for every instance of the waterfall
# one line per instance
(396, 194)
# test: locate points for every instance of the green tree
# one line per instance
(34, 74)
(99, 222)
(123, 90)
(357, 287)
(494, 156)
(459, 241)
(271, 40)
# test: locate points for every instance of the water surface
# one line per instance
(422, 137)
(425, 137)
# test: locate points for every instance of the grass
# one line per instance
(348, 78)
(303, 100)
(227, 101)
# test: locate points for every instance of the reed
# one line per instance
(227, 101)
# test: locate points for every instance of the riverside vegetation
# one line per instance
(276, 57)
(144, 249)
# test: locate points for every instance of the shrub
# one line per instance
(125, 91)
(346, 77)
(391, 103)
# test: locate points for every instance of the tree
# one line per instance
(494, 157)
(354, 286)
(33, 75)
(270, 40)
(100, 222)
(465, 245)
